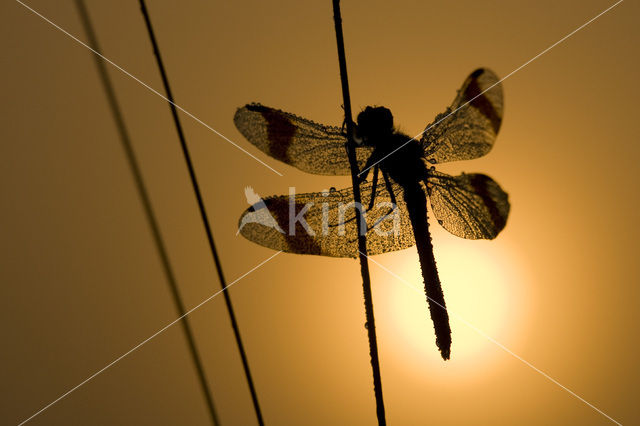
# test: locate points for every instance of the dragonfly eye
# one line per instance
(357, 139)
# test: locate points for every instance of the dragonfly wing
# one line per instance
(469, 127)
(304, 144)
(471, 206)
(329, 226)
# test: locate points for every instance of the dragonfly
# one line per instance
(394, 208)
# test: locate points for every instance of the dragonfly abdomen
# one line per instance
(417, 206)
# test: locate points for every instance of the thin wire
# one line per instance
(148, 209)
(362, 241)
(145, 85)
(500, 345)
(144, 342)
(203, 212)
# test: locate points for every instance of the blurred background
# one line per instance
(82, 282)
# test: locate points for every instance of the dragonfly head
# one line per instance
(375, 126)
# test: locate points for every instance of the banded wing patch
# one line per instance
(304, 144)
(471, 206)
(329, 227)
(468, 128)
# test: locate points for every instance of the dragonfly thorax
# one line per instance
(375, 129)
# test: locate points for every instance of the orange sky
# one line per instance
(82, 282)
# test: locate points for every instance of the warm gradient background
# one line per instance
(82, 282)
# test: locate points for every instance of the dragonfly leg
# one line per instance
(374, 187)
(387, 182)
(372, 162)
(391, 195)
(343, 128)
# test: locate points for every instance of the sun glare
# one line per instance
(484, 285)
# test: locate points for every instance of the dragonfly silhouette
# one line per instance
(471, 206)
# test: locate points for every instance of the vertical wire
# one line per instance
(148, 209)
(203, 213)
(362, 241)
